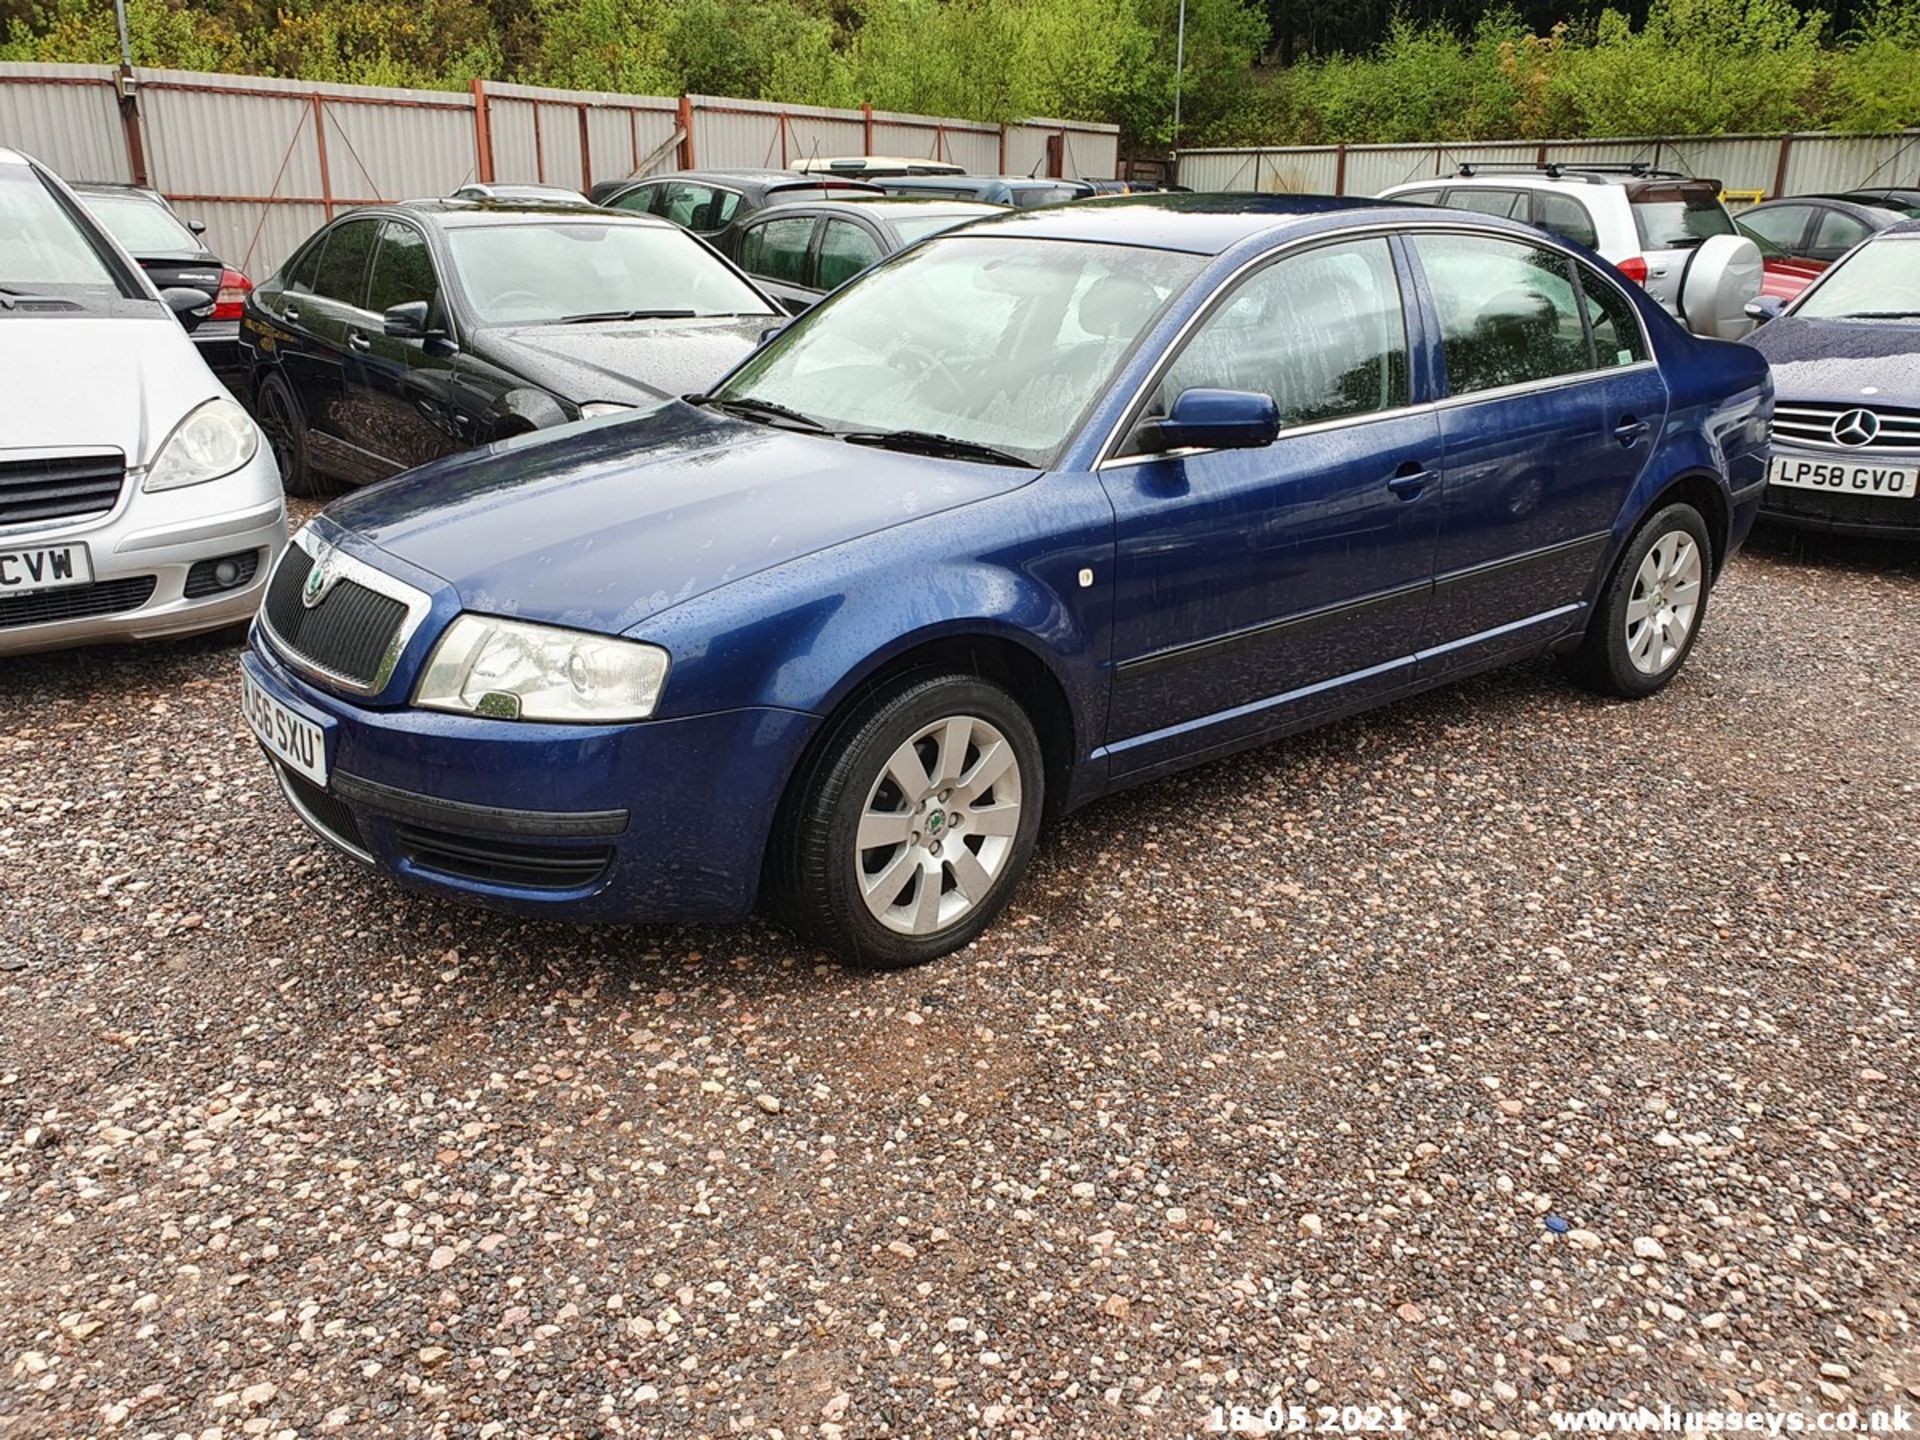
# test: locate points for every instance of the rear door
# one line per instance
(845, 248)
(778, 253)
(1552, 406)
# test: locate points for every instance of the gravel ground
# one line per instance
(1281, 1081)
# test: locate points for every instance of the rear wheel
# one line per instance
(914, 824)
(284, 422)
(1649, 615)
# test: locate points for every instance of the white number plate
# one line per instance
(44, 568)
(1845, 477)
(297, 741)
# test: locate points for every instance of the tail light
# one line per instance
(1634, 267)
(235, 287)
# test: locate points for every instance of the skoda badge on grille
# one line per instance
(321, 578)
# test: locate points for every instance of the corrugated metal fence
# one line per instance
(264, 162)
(1770, 165)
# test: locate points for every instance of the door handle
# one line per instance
(1630, 431)
(290, 314)
(357, 340)
(1410, 479)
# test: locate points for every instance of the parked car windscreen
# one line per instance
(994, 341)
(528, 274)
(42, 250)
(1881, 280)
(141, 227)
(1678, 219)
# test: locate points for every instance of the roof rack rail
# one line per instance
(1572, 170)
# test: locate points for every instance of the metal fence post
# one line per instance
(482, 133)
(320, 146)
(586, 152)
(686, 132)
(1780, 168)
(866, 119)
(126, 87)
(1340, 169)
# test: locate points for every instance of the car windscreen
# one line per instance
(1879, 281)
(534, 274)
(43, 251)
(1679, 217)
(141, 226)
(918, 227)
(988, 340)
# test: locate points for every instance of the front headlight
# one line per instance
(594, 409)
(509, 670)
(215, 439)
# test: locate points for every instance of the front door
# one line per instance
(1257, 587)
(408, 414)
(1553, 406)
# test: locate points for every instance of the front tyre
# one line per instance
(1650, 613)
(913, 825)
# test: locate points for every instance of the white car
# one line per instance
(137, 499)
(1652, 225)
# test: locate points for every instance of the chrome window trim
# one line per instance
(1108, 458)
(418, 603)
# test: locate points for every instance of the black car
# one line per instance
(1817, 229)
(707, 201)
(1904, 198)
(1020, 191)
(797, 253)
(170, 250)
(401, 333)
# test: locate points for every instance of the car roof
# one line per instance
(884, 206)
(1904, 230)
(1570, 175)
(457, 214)
(1202, 224)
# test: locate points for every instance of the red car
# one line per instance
(1801, 236)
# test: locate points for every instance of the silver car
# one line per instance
(137, 498)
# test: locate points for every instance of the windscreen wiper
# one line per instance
(924, 442)
(629, 315)
(758, 410)
(1882, 315)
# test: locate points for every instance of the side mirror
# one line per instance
(198, 227)
(406, 322)
(1721, 278)
(1216, 420)
(1763, 308)
(189, 306)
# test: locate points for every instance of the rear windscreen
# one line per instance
(1675, 217)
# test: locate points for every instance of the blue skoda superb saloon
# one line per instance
(1036, 510)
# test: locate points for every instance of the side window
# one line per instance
(1323, 333)
(777, 249)
(845, 250)
(641, 200)
(726, 204)
(402, 269)
(1508, 312)
(696, 207)
(1836, 234)
(306, 265)
(1488, 202)
(1416, 197)
(1566, 217)
(1780, 231)
(343, 269)
(1617, 336)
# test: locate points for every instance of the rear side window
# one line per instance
(1836, 234)
(777, 249)
(1678, 217)
(305, 266)
(1507, 203)
(845, 250)
(1508, 311)
(343, 266)
(1566, 217)
(1323, 333)
(402, 269)
(641, 200)
(1617, 336)
(1780, 231)
(1416, 197)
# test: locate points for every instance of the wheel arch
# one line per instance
(1705, 491)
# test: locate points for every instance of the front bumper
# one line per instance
(663, 820)
(157, 539)
(1842, 512)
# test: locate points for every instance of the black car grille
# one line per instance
(1812, 424)
(348, 634)
(503, 862)
(75, 602)
(322, 810)
(61, 488)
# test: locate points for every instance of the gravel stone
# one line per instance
(288, 1151)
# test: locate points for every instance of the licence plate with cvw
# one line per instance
(44, 568)
(293, 739)
(1890, 482)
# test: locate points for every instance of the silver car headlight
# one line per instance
(215, 439)
(510, 670)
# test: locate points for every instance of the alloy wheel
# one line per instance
(1664, 602)
(938, 827)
